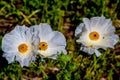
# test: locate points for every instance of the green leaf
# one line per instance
(65, 58)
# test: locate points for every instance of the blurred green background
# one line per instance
(64, 16)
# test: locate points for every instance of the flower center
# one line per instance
(43, 46)
(23, 48)
(94, 35)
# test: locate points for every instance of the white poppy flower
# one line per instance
(17, 46)
(50, 43)
(95, 33)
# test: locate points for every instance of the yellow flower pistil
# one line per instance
(23, 48)
(94, 35)
(43, 46)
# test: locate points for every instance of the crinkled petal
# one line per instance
(52, 52)
(10, 45)
(86, 21)
(87, 50)
(107, 37)
(91, 51)
(20, 31)
(79, 29)
(25, 61)
(42, 29)
(97, 53)
(62, 50)
(102, 24)
(108, 27)
(11, 41)
(111, 41)
(97, 21)
(58, 39)
(54, 38)
(10, 58)
(115, 39)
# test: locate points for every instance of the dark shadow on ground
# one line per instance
(3, 61)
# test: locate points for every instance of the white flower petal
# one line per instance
(79, 29)
(52, 52)
(43, 29)
(86, 21)
(53, 57)
(11, 41)
(57, 38)
(97, 53)
(25, 60)
(106, 36)
(109, 30)
(10, 58)
(97, 21)
(115, 39)
(21, 31)
(112, 40)
(87, 50)
(47, 37)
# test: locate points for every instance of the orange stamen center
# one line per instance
(23, 48)
(94, 35)
(43, 46)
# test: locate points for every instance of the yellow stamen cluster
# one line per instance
(23, 48)
(43, 46)
(94, 35)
